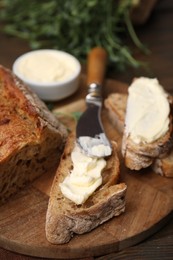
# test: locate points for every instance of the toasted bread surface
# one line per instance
(31, 138)
(116, 106)
(64, 218)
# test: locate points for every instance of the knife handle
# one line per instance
(96, 65)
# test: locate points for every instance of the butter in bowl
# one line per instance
(52, 74)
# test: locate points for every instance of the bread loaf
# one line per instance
(31, 138)
(116, 107)
(64, 218)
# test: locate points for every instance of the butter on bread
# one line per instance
(148, 129)
(31, 137)
(115, 104)
(64, 218)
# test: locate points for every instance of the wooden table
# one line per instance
(157, 34)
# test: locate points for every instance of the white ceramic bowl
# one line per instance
(52, 74)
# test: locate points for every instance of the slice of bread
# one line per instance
(31, 137)
(116, 107)
(164, 166)
(141, 157)
(64, 218)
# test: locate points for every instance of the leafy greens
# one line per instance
(74, 26)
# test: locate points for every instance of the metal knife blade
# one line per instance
(89, 131)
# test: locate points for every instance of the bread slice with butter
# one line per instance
(157, 154)
(31, 137)
(65, 218)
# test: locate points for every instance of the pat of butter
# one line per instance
(96, 146)
(148, 109)
(85, 177)
(46, 66)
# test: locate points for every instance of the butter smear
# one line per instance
(148, 109)
(84, 178)
(96, 146)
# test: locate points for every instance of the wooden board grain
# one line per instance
(149, 204)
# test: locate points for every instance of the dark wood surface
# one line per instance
(157, 34)
(149, 206)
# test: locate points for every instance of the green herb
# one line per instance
(74, 115)
(74, 26)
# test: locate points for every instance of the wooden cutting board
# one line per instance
(149, 204)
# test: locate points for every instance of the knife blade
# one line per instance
(90, 132)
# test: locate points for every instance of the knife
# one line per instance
(90, 133)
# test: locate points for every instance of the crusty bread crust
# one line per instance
(158, 148)
(164, 166)
(138, 156)
(135, 161)
(157, 154)
(64, 218)
(31, 138)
